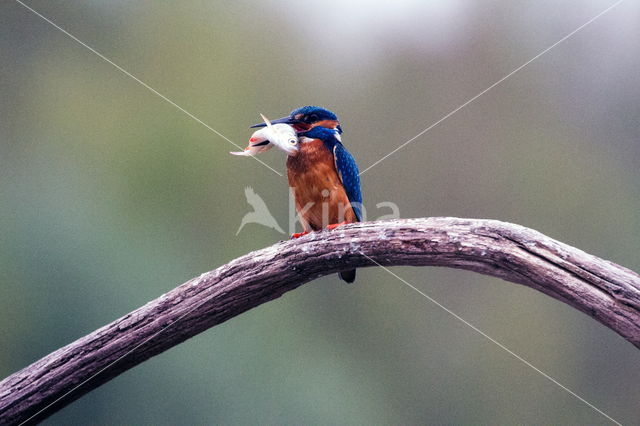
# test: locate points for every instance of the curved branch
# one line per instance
(607, 292)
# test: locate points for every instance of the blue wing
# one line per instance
(350, 177)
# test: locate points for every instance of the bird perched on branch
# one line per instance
(322, 174)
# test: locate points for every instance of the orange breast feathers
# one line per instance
(319, 195)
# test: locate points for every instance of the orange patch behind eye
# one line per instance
(329, 124)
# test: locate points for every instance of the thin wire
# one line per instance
(129, 352)
(491, 339)
(494, 84)
(151, 89)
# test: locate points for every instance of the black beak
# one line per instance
(285, 120)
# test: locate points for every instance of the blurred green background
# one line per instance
(110, 196)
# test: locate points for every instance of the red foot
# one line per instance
(299, 234)
(335, 225)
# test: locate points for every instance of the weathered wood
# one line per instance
(607, 292)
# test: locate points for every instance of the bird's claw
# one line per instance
(299, 234)
(335, 225)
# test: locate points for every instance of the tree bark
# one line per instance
(607, 292)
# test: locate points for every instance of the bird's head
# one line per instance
(308, 117)
(329, 136)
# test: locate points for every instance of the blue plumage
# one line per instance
(345, 165)
(306, 117)
(314, 113)
(350, 177)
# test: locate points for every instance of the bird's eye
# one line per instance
(312, 118)
(293, 141)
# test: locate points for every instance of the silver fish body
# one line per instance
(282, 136)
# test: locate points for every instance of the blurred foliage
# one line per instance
(110, 196)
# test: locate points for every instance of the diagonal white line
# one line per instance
(126, 354)
(151, 89)
(491, 339)
(494, 84)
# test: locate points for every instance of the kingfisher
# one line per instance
(323, 175)
(307, 117)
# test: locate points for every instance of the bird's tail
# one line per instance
(348, 276)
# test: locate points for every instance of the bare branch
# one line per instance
(607, 292)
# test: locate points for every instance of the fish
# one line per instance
(282, 136)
